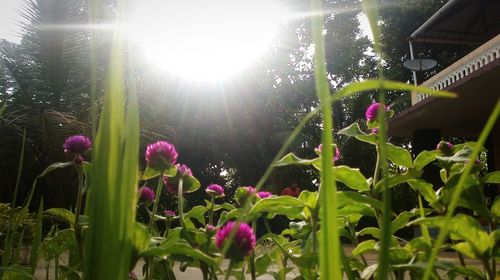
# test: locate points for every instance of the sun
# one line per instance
(204, 40)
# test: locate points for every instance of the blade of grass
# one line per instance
(443, 231)
(370, 7)
(113, 176)
(19, 170)
(37, 238)
(329, 253)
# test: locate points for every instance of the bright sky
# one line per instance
(9, 18)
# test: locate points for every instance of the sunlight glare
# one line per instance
(204, 40)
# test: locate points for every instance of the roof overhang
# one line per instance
(461, 22)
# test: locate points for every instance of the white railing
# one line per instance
(477, 59)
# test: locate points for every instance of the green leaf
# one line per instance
(399, 255)
(425, 189)
(401, 221)
(53, 247)
(398, 155)
(495, 208)
(190, 184)
(354, 131)
(55, 166)
(492, 178)
(181, 247)
(351, 177)
(197, 213)
(363, 247)
(397, 179)
(37, 238)
(466, 228)
(281, 205)
(292, 159)
(62, 214)
(310, 199)
(15, 272)
(347, 197)
(425, 158)
(262, 264)
(151, 173)
(460, 156)
(225, 206)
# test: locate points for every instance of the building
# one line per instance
(475, 78)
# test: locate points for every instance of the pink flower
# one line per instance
(445, 148)
(336, 157)
(250, 190)
(291, 191)
(169, 213)
(215, 190)
(183, 170)
(264, 194)
(371, 111)
(161, 155)
(77, 145)
(172, 183)
(242, 243)
(147, 194)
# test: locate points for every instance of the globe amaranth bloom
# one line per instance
(161, 155)
(371, 111)
(242, 243)
(172, 183)
(250, 190)
(336, 157)
(77, 145)
(169, 213)
(146, 194)
(445, 148)
(215, 190)
(291, 191)
(264, 194)
(183, 170)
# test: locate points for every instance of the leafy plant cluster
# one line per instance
(104, 241)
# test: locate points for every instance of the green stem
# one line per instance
(167, 227)
(425, 230)
(211, 211)
(155, 204)
(329, 257)
(314, 232)
(252, 256)
(78, 210)
(226, 277)
(180, 202)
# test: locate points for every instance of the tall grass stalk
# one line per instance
(19, 169)
(370, 7)
(329, 254)
(443, 231)
(113, 176)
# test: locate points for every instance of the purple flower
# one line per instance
(336, 157)
(147, 194)
(210, 229)
(161, 155)
(371, 111)
(374, 130)
(291, 191)
(169, 213)
(77, 145)
(183, 170)
(215, 190)
(250, 190)
(242, 243)
(264, 194)
(444, 147)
